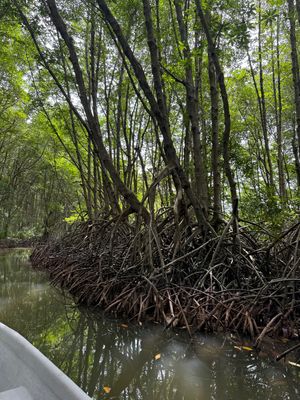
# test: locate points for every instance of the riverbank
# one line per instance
(11, 243)
(206, 284)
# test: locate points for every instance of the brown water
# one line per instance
(129, 361)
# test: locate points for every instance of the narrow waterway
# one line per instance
(115, 359)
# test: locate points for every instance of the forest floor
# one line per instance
(178, 277)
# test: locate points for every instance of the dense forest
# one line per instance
(171, 130)
(102, 102)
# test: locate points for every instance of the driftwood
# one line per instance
(206, 286)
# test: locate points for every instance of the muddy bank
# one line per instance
(200, 283)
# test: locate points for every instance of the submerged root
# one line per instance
(193, 282)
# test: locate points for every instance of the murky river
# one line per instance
(115, 359)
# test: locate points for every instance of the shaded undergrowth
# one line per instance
(178, 276)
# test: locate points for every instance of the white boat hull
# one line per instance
(29, 375)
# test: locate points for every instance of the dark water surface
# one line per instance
(129, 361)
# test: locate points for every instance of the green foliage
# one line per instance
(50, 170)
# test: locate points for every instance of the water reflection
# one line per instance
(131, 362)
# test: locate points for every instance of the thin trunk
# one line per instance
(187, 144)
(298, 9)
(89, 180)
(119, 116)
(158, 107)
(296, 80)
(73, 133)
(215, 156)
(227, 117)
(262, 159)
(297, 159)
(193, 112)
(278, 112)
(199, 91)
(93, 123)
(95, 189)
(269, 169)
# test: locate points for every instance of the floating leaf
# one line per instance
(294, 364)
(240, 348)
(124, 326)
(247, 348)
(106, 389)
(237, 348)
(157, 356)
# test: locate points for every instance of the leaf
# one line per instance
(181, 46)
(243, 348)
(157, 356)
(106, 389)
(294, 364)
(247, 348)
(124, 326)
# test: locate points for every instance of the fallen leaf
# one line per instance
(294, 364)
(106, 389)
(247, 348)
(240, 348)
(124, 326)
(157, 356)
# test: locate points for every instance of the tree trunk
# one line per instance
(158, 107)
(193, 112)
(298, 9)
(227, 117)
(278, 113)
(269, 167)
(94, 128)
(296, 80)
(215, 151)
